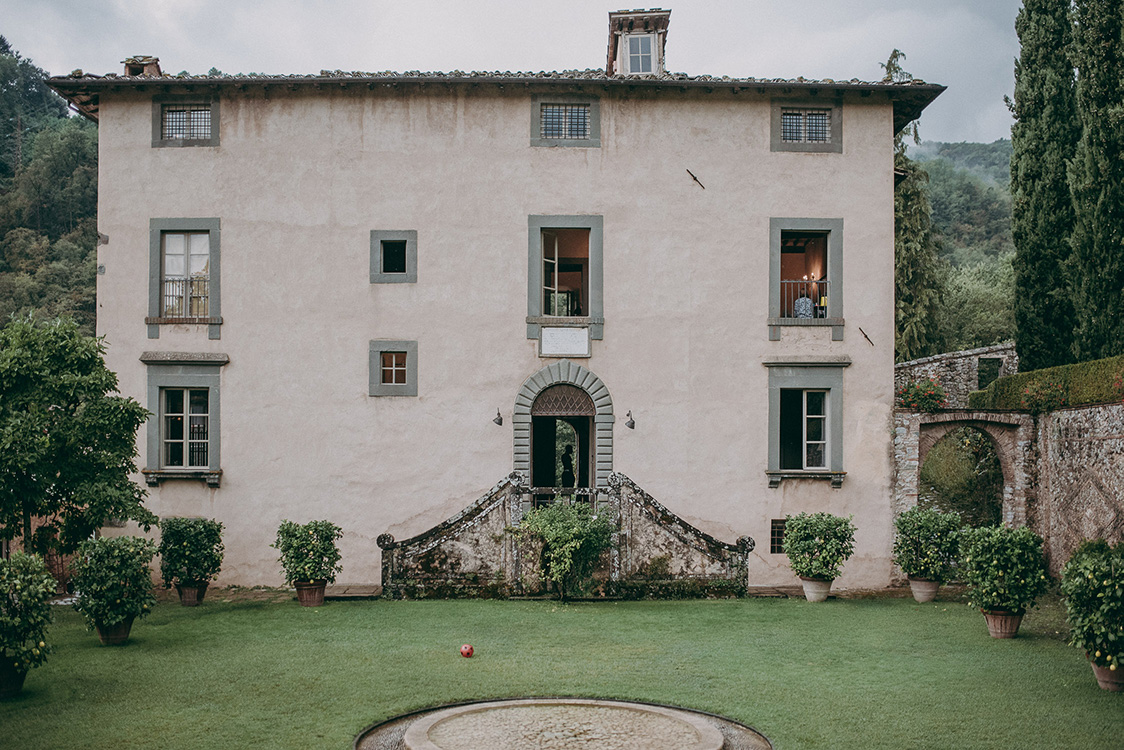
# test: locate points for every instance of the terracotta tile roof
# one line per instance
(909, 97)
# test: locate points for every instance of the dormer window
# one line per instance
(636, 42)
(640, 53)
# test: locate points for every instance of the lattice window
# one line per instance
(776, 536)
(185, 122)
(805, 125)
(394, 368)
(563, 401)
(567, 122)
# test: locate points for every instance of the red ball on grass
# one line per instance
(466, 651)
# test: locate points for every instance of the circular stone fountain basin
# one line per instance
(562, 723)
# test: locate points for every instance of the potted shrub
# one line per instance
(817, 545)
(113, 584)
(309, 557)
(1093, 586)
(1005, 572)
(25, 612)
(190, 556)
(572, 538)
(926, 548)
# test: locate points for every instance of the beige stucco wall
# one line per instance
(300, 180)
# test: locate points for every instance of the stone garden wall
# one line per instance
(1063, 471)
(957, 372)
(1080, 478)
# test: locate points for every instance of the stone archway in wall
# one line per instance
(1011, 433)
(568, 373)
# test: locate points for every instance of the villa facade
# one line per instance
(351, 296)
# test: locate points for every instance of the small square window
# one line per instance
(776, 536)
(188, 122)
(394, 256)
(184, 121)
(393, 368)
(566, 121)
(816, 128)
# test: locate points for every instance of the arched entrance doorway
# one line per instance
(586, 408)
(562, 453)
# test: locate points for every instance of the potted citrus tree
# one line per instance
(1005, 572)
(190, 556)
(25, 612)
(817, 545)
(309, 557)
(113, 584)
(1093, 586)
(926, 548)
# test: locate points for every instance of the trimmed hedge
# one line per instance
(1096, 382)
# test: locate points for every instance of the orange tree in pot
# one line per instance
(113, 584)
(190, 556)
(1005, 572)
(25, 612)
(926, 548)
(817, 545)
(1093, 586)
(309, 557)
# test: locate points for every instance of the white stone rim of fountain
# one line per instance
(417, 736)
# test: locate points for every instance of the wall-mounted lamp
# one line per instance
(498, 420)
(630, 423)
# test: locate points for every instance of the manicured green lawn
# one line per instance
(859, 673)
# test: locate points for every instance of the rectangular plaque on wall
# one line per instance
(564, 342)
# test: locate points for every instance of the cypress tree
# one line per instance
(1096, 179)
(1043, 137)
(917, 269)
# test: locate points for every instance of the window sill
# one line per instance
(565, 321)
(188, 320)
(776, 476)
(153, 477)
(805, 321)
(835, 324)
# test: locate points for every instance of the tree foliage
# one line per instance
(48, 199)
(1096, 180)
(962, 474)
(25, 104)
(916, 266)
(66, 442)
(1043, 140)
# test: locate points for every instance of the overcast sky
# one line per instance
(967, 45)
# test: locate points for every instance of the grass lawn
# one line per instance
(856, 673)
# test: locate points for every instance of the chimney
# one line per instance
(142, 65)
(636, 42)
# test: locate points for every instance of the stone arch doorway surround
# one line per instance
(570, 373)
(1012, 434)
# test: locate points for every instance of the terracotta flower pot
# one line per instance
(1109, 679)
(11, 679)
(923, 590)
(815, 589)
(115, 635)
(191, 595)
(310, 593)
(1002, 623)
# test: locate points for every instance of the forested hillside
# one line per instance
(48, 198)
(972, 220)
